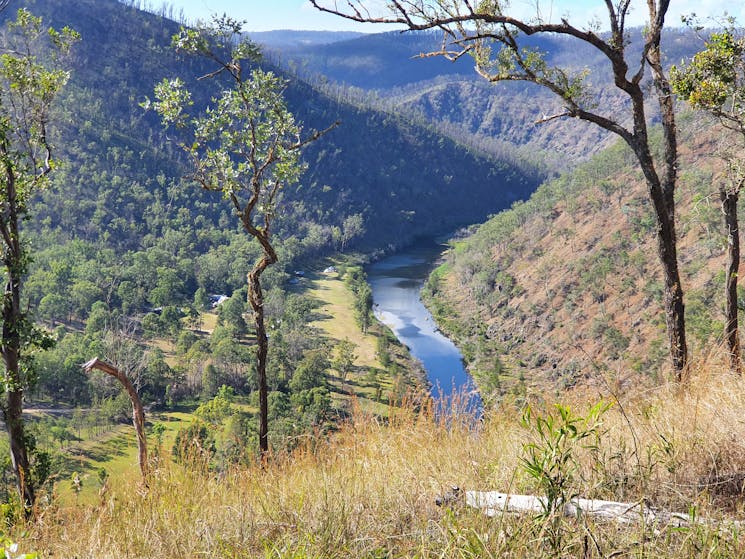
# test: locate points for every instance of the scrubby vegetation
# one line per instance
(564, 286)
(370, 490)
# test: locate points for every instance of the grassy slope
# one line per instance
(369, 492)
(116, 452)
(337, 320)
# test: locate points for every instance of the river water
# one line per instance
(396, 284)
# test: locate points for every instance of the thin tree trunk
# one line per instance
(138, 412)
(19, 457)
(667, 238)
(673, 294)
(13, 408)
(731, 331)
(667, 253)
(256, 300)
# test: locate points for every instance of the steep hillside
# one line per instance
(122, 242)
(373, 490)
(378, 61)
(567, 287)
(462, 104)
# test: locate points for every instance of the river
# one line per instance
(396, 284)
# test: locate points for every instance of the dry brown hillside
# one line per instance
(567, 286)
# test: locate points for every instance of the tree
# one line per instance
(310, 372)
(345, 357)
(230, 313)
(714, 81)
(352, 228)
(486, 31)
(27, 89)
(138, 412)
(246, 146)
(126, 361)
(201, 300)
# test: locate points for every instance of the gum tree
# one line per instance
(29, 83)
(714, 81)
(487, 31)
(246, 145)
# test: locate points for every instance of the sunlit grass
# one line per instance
(337, 321)
(115, 451)
(369, 490)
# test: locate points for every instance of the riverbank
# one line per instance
(383, 370)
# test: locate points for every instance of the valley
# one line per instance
(246, 230)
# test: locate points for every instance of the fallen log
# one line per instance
(494, 503)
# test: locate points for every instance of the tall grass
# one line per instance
(370, 490)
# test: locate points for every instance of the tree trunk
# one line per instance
(674, 305)
(664, 210)
(256, 299)
(667, 239)
(731, 330)
(19, 457)
(11, 350)
(661, 194)
(138, 412)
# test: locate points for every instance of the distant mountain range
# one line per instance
(389, 67)
(287, 38)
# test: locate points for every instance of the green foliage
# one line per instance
(311, 371)
(194, 444)
(201, 299)
(714, 79)
(231, 313)
(382, 350)
(344, 357)
(10, 550)
(357, 281)
(552, 460)
(218, 408)
(248, 138)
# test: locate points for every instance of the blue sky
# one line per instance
(264, 15)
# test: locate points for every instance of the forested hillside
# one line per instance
(375, 181)
(388, 69)
(566, 288)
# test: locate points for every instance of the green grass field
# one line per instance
(114, 451)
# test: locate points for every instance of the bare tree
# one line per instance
(125, 359)
(486, 31)
(138, 412)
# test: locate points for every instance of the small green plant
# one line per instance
(10, 550)
(551, 460)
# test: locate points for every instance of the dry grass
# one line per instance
(370, 490)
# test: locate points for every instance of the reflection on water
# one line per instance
(396, 283)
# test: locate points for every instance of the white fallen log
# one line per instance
(494, 503)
